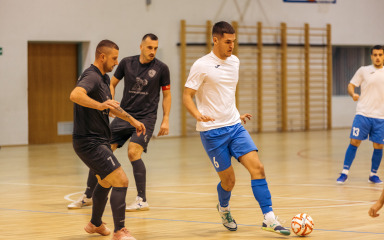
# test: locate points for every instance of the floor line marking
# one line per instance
(178, 220)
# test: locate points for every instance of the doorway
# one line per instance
(52, 74)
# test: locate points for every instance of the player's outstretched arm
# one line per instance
(167, 99)
(188, 95)
(377, 206)
(120, 113)
(79, 96)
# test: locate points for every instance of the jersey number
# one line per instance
(355, 131)
(215, 163)
(110, 159)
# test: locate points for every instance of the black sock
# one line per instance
(100, 198)
(91, 184)
(139, 172)
(118, 206)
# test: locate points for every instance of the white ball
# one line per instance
(302, 224)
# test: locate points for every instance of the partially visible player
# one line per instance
(377, 206)
(369, 119)
(144, 76)
(212, 81)
(91, 139)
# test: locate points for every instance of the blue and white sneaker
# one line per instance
(81, 202)
(226, 218)
(273, 225)
(137, 205)
(375, 179)
(342, 179)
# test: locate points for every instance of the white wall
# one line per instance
(354, 22)
(343, 111)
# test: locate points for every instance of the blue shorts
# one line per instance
(364, 126)
(223, 143)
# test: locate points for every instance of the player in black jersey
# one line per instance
(144, 76)
(91, 139)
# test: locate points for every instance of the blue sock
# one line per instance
(376, 159)
(349, 156)
(262, 194)
(224, 196)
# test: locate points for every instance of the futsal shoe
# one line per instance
(123, 234)
(273, 225)
(102, 229)
(342, 179)
(137, 205)
(375, 179)
(81, 202)
(226, 218)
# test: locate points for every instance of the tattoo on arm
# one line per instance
(123, 112)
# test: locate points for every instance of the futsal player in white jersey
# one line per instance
(369, 118)
(212, 81)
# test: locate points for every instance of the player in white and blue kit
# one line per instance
(212, 81)
(369, 119)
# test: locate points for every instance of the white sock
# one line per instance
(372, 174)
(223, 209)
(269, 216)
(345, 171)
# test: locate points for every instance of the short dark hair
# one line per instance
(105, 44)
(377, 47)
(222, 27)
(152, 36)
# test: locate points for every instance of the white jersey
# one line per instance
(371, 100)
(215, 81)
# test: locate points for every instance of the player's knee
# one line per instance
(122, 181)
(118, 178)
(259, 168)
(228, 184)
(355, 142)
(134, 154)
(258, 171)
(378, 145)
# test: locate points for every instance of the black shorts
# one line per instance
(122, 130)
(97, 156)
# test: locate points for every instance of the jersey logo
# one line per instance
(105, 111)
(140, 83)
(151, 73)
(217, 66)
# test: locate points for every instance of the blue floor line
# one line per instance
(177, 220)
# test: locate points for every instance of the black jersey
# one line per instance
(142, 84)
(89, 122)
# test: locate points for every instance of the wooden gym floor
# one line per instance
(37, 183)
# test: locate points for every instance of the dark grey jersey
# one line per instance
(91, 123)
(142, 84)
